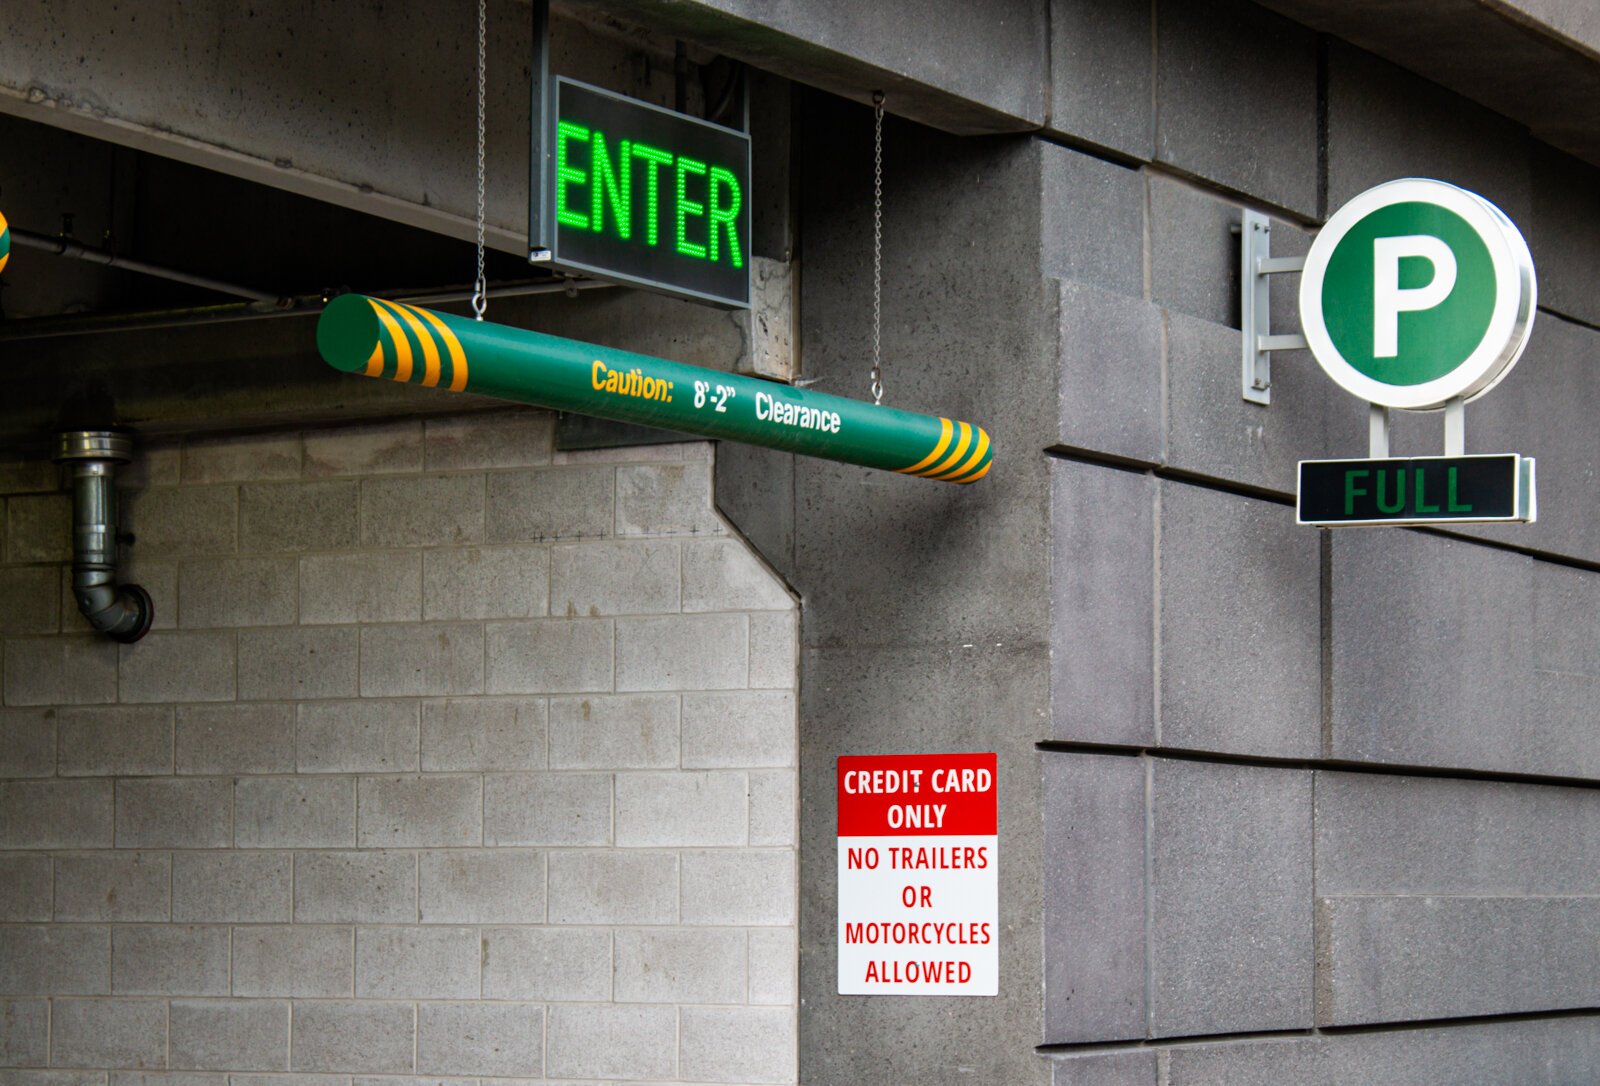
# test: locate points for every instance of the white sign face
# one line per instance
(919, 889)
(1417, 292)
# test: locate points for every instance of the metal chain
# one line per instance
(877, 247)
(480, 286)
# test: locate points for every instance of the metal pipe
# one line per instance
(77, 250)
(122, 613)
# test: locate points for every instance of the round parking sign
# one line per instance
(1417, 292)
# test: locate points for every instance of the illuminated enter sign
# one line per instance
(647, 196)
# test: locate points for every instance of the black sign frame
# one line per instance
(1486, 489)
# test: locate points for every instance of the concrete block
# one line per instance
(486, 582)
(55, 814)
(32, 597)
(1564, 217)
(1230, 891)
(773, 807)
(295, 813)
(114, 742)
(175, 522)
(223, 739)
(27, 743)
(669, 452)
(380, 448)
(158, 462)
(164, 1078)
(298, 663)
(60, 671)
(739, 729)
(615, 578)
(173, 666)
(1094, 898)
(124, 1033)
(411, 963)
(550, 503)
(1092, 216)
(363, 887)
(656, 810)
(1232, 67)
(229, 1035)
(428, 812)
(231, 887)
(1213, 432)
(551, 965)
(299, 961)
(360, 587)
(169, 960)
(158, 813)
(547, 809)
(241, 458)
(291, 517)
(412, 660)
(1100, 75)
(1385, 959)
(665, 499)
(39, 528)
(738, 1044)
(691, 652)
(24, 1032)
(370, 1037)
(681, 966)
(549, 656)
(373, 736)
(292, 1080)
(518, 438)
(1102, 669)
(748, 886)
(72, 959)
(774, 650)
(483, 734)
(1101, 334)
(610, 1042)
(637, 731)
(774, 962)
(1379, 834)
(113, 886)
(28, 476)
(494, 886)
(53, 1078)
(613, 887)
(1241, 665)
(422, 510)
(725, 575)
(480, 1038)
(25, 887)
(1133, 1068)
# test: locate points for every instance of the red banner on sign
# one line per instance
(895, 795)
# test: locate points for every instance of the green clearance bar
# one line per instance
(379, 338)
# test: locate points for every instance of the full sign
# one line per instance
(646, 196)
(1419, 490)
(1418, 292)
(919, 890)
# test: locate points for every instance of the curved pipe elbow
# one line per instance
(121, 612)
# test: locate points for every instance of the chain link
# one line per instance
(877, 247)
(480, 286)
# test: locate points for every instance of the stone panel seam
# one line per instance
(1149, 894)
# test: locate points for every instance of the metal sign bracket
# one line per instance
(1256, 263)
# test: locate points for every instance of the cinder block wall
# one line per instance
(449, 755)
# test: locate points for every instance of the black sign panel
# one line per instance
(1421, 490)
(643, 195)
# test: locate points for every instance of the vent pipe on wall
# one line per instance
(122, 613)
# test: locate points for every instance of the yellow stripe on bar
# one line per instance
(972, 462)
(944, 443)
(954, 458)
(430, 351)
(458, 357)
(402, 348)
(375, 363)
(975, 476)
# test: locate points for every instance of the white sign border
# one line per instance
(1516, 297)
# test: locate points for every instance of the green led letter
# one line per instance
(1399, 503)
(565, 174)
(1422, 506)
(726, 216)
(687, 207)
(1352, 492)
(614, 185)
(654, 158)
(1451, 503)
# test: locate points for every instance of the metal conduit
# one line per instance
(123, 613)
(77, 250)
